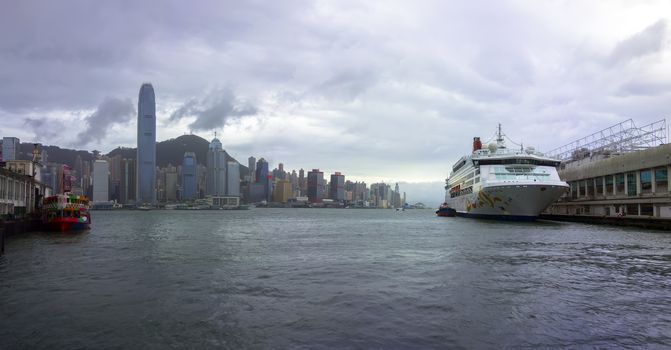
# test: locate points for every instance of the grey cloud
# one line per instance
(644, 86)
(214, 111)
(648, 41)
(44, 127)
(110, 112)
(348, 84)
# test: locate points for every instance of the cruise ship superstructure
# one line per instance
(501, 183)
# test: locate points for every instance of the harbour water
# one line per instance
(311, 278)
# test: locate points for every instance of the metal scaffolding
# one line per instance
(620, 138)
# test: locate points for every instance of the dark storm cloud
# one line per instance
(217, 108)
(648, 41)
(110, 112)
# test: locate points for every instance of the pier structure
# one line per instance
(20, 189)
(624, 173)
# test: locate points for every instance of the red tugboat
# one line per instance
(66, 212)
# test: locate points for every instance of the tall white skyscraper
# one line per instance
(233, 175)
(146, 145)
(216, 169)
(100, 181)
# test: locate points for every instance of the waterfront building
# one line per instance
(302, 183)
(337, 187)
(216, 169)
(251, 164)
(20, 193)
(189, 176)
(633, 184)
(264, 178)
(282, 191)
(315, 182)
(114, 178)
(279, 173)
(160, 185)
(233, 175)
(293, 178)
(146, 145)
(257, 192)
(10, 148)
(128, 183)
(171, 183)
(201, 188)
(100, 181)
(613, 175)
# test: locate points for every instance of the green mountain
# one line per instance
(168, 151)
(172, 152)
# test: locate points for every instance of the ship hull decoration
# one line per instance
(498, 183)
(66, 212)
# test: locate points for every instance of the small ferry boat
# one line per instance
(445, 210)
(65, 212)
(501, 183)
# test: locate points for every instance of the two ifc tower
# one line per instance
(146, 145)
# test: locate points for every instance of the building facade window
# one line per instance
(631, 184)
(631, 209)
(619, 183)
(583, 188)
(574, 189)
(661, 180)
(647, 209)
(609, 184)
(646, 181)
(599, 186)
(590, 187)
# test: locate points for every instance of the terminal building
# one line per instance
(619, 171)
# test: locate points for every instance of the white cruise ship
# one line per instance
(502, 183)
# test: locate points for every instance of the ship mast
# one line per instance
(499, 138)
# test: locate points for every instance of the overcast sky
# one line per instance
(379, 90)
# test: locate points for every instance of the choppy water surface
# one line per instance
(310, 278)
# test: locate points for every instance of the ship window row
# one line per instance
(541, 162)
(461, 192)
(520, 173)
(459, 165)
(643, 182)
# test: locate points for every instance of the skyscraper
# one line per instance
(315, 181)
(128, 180)
(251, 163)
(233, 183)
(302, 184)
(100, 181)
(263, 178)
(337, 185)
(10, 148)
(146, 145)
(189, 176)
(216, 169)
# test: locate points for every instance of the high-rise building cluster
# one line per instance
(217, 179)
(312, 188)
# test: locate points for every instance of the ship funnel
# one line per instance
(492, 147)
(477, 144)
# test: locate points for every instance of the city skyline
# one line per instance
(366, 89)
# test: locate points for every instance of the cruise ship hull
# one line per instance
(512, 201)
